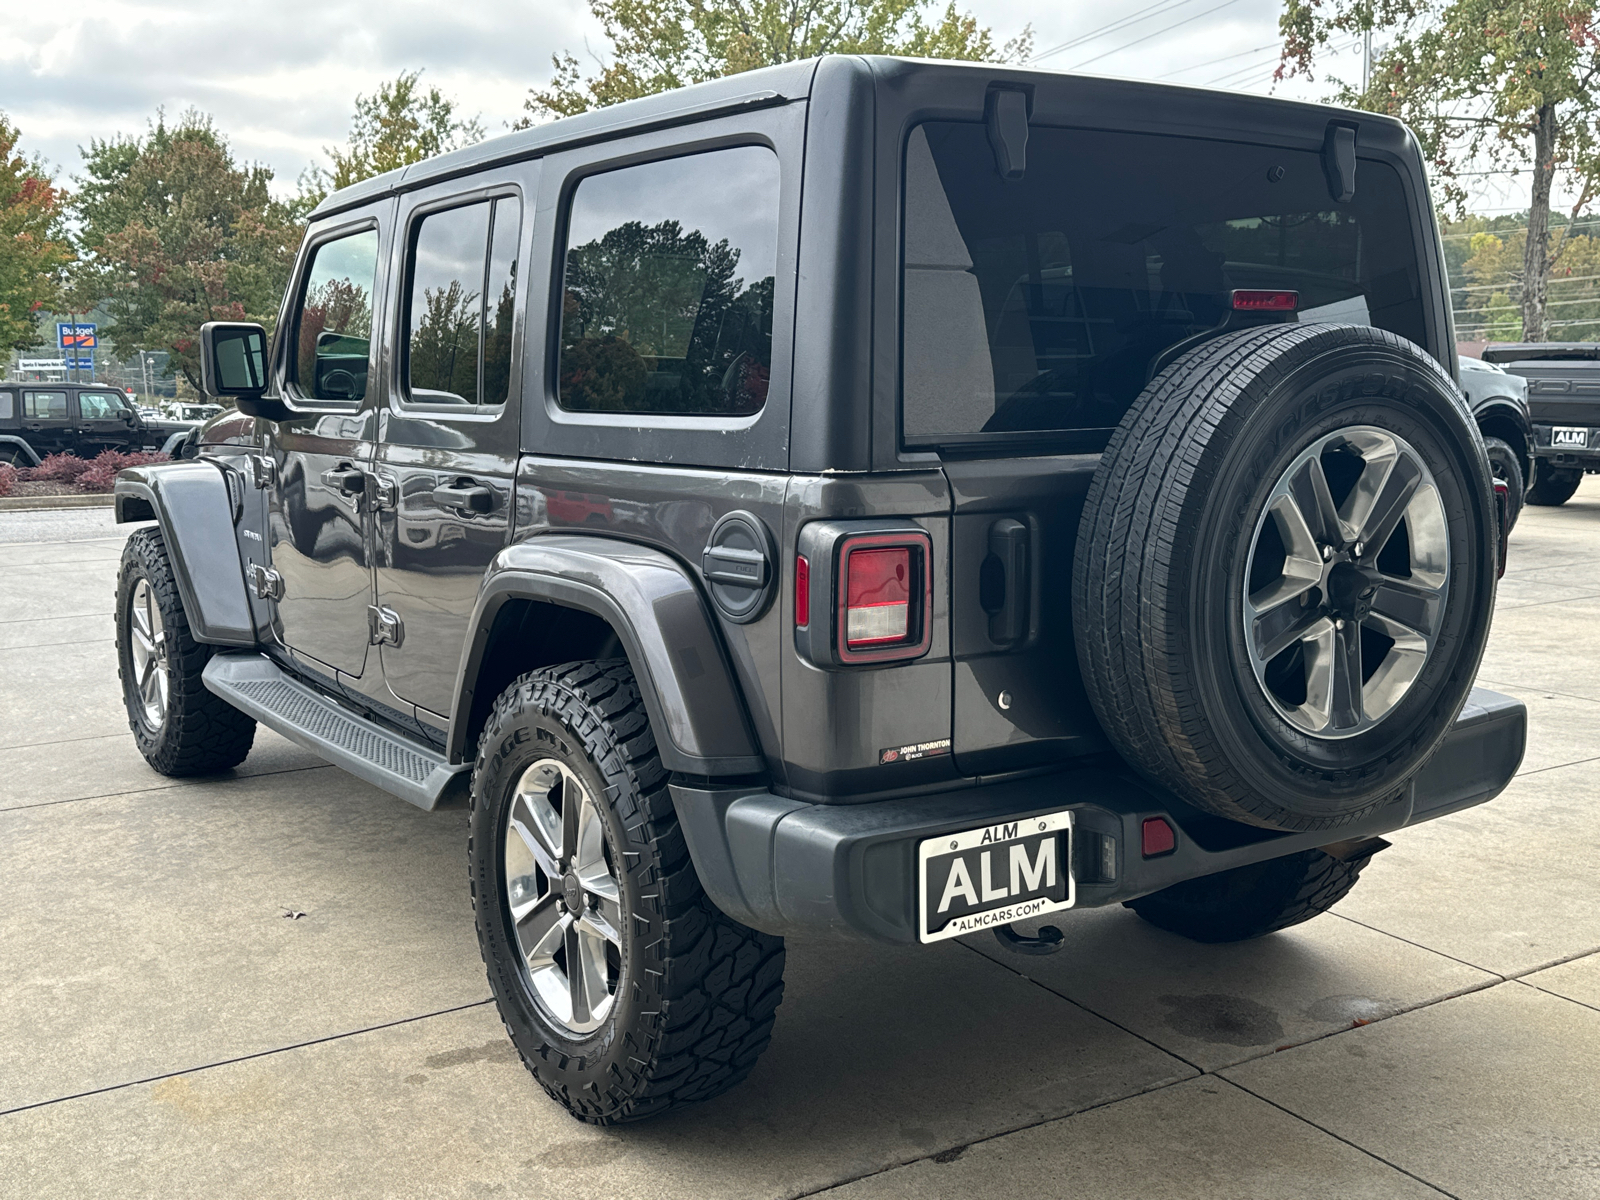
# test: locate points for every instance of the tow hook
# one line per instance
(1049, 940)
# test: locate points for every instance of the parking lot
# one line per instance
(268, 982)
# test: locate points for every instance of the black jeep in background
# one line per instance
(1564, 405)
(861, 498)
(41, 419)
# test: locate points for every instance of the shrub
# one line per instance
(8, 478)
(102, 472)
(60, 468)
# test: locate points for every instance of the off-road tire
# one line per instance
(15, 456)
(1552, 486)
(201, 734)
(1504, 464)
(1163, 554)
(1262, 898)
(698, 992)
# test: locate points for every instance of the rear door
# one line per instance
(447, 450)
(47, 421)
(1037, 309)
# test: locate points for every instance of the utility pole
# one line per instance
(1366, 58)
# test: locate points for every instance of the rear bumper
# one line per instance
(1586, 457)
(784, 866)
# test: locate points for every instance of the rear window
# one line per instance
(8, 406)
(1042, 304)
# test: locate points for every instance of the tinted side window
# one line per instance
(45, 406)
(461, 299)
(333, 329)
(669, 285)
(8, 406)
(1041, 304)
(100, 406)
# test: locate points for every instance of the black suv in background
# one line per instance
(41, 419)
(861, 498)
(1564, 405)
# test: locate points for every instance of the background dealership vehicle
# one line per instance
(1564, 406)
(1068, 504)
(1499, 403)
(41, 419)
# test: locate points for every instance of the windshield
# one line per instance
(1042, 304)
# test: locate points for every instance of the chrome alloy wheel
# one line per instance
(564, 900)
(147, 637)
(1346, 582)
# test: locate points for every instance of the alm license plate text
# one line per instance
(1571, 438)
(981, 878)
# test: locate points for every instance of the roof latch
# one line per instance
(1339, 160)
(1007, 117)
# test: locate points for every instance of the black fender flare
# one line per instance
(11, 439)
(1505, 408)
(190, 500)
(694, 701)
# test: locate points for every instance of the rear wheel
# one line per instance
(1285, 572)
(1506, 467)
(1249, 902)
(1552, 485)
(623, 988)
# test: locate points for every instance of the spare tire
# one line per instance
(1285, 573)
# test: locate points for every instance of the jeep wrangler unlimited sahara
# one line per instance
(868, 498)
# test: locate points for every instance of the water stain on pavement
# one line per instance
(498, 1051)
(1231, 1020)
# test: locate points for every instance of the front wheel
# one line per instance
(623, 988)
(1506, 467)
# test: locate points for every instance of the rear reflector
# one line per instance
(877, 597)
(802, 591)
(1157, 837)
(1266, 301)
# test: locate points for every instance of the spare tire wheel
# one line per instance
(1285, 573)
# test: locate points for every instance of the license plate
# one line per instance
(1564, 436)
(981, 878)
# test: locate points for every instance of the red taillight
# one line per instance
(877, 597)
(1245, 301)
(1157, 837)
(802, 591)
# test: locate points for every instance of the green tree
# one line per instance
(33, 242)
(1506, 83)
(172, 232)
(394, 127)
(661, 44)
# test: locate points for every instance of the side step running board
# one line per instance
(255, 684)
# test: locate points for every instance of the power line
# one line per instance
(1496, 287)
(1110, 27)
(1211, 62)
(1157, 33)
(1251, 70)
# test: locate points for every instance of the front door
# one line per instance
(105, 422)
(320, 459)
(46, 423)
(447, 449)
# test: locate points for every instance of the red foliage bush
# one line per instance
(8, 478)
(102, 472)
(60, 468)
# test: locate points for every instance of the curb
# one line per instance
(30, 503)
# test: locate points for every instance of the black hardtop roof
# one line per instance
(793, 81)
(1505, 352)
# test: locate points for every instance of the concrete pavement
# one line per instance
(268, 983)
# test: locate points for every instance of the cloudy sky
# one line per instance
(280, 76)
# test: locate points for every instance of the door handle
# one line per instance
(1003, 583)
(346, 479)
(464, 496)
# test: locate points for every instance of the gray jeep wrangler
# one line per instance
(863, 498)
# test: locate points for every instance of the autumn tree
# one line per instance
(33, 242)
(661, 44)
(395, 126)
(173, 233)
(1501, 83)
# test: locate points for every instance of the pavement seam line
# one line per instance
(88, 737)
(1558, 996)
(1336, 1137)
(58, 617)
(1411, 942)
(228, 1062)
(1522, 975)
(50, 645)
(165, 787)
(1543, 691)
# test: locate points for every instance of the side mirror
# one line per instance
(233, 363)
